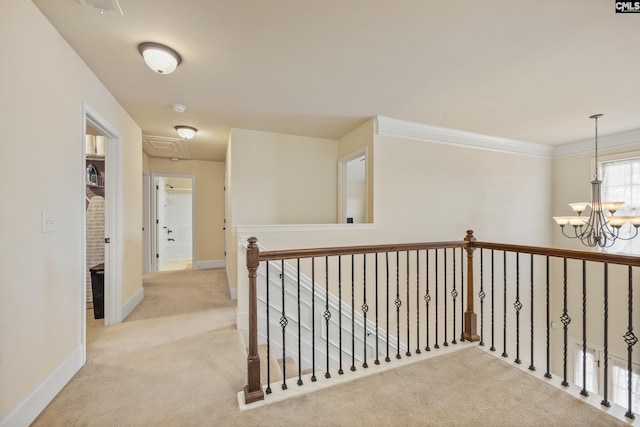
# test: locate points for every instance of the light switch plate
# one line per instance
(48, 221)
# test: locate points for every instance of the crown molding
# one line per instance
(388, 126)
(404, 129)
(617, 140)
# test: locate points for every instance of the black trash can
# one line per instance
(97, 289)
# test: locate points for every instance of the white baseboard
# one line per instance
(218, 263)
(41, 396)
(132, 303)
(233, 292)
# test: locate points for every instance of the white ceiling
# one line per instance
(530, 70)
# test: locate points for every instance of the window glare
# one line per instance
(621, 182)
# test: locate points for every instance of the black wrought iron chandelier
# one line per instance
(601, 228)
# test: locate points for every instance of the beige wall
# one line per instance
(42, 167)
(278, 179)
(209, 198)
(433, 192)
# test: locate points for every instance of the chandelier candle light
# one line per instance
(601, 228)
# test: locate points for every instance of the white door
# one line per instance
(146, 223)
(161, 227)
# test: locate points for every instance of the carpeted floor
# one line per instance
(178, 361)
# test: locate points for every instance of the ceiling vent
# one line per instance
(104, 5)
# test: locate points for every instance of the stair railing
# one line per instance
(420, 284)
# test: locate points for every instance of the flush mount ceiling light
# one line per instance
(186, 132)
(160, 58)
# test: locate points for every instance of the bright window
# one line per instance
(621, 182)
(591, 371)
(620, 381)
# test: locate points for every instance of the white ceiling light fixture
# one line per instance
(601, 228)
(160, 58)
(186, 132)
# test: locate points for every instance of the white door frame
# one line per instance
(342, 184)
(154, 216)
(113, 220)
(146, 222)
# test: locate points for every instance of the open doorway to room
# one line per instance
(353, 188)
(173, 237)
(95, 213)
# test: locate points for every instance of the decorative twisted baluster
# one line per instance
(631, 340)
(462, 294)
(283, 324)
(518, 306)
(327, 313)
(605, 402)
(398, 304)
(481, 295)
(454, 295)
(565, 319)
(427, 298)
(444, 273)
(365, 309)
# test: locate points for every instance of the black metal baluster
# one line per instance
(548, 373)
(377, 361)
(584, 391)
(299, 334)
(353, 315)
(418, 351)
(631, 340)
(444, 271)
(493, 323)
(454, 294)
(605, 402)
(365, 308)
(408, 353)
(504, 306)
(481, 295)
(462, 294)
(313, 320)
(327, 313)
(283, 323)
(518, 306)
(268, 390)
(436, 345)
(532, 366)
(565, 319)
(387, 359)
(340, 371)
(427, 298)
(398, 304)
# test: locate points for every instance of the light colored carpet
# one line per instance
(184, 368)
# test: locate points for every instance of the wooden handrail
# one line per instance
(349, 250)
(633, 261)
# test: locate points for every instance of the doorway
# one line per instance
(108, 151)
(353, 188)
(173, 235)
(95, 213)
